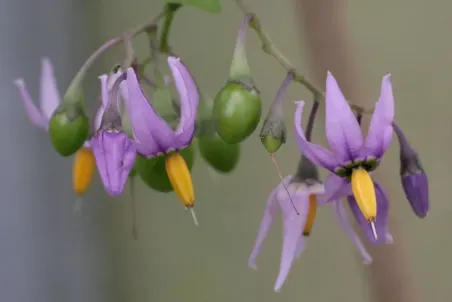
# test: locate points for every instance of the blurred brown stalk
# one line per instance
(324, 24)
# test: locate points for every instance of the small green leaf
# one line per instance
(211, 6)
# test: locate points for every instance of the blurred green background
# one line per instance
(51, 254)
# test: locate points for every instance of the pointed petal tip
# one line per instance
(102, 76)
(19, 82)
(45, 61)
(173, 60)
(387, 77)
(299, 103)
(252, 265)
(277, 288)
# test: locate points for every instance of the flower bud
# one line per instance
(414, 179)
(69, 125)
(273, 133)
(153, 171)
(238, 107)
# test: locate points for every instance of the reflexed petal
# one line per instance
(341, 215)
(189, 99)
(270, 211)
(341, 126)
(32, 111)
(380, 128)
(115, 156)
(300, 247)
(336, 187)
(49, 95)
(151, 132)
(317, 154)
(292, 230)
(381, 222)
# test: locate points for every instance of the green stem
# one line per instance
(154, 56)
(269, 48)
(78, 79)
(170, 10)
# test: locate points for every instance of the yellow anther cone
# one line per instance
(83, 170)
(364, 191)
(180, 178)
(311, 215)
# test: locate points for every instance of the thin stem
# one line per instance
(76, 82)
(277, 109)
(170, 10)
(154, 56)
(311, 120)
(269, 47)
(239, 67)
(129, 53)
(306, 169)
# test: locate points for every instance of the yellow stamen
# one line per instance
(364, 191)
(82, 170)
(180, 178)
(311, 215)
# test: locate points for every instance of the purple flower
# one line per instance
(353, 157)
(152, 133)
(49, 96)
(414, 178)
(294, 225)
(114, 151)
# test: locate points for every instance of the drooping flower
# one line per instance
(83, 165)
(353, 158)
(297, 196)
(414, 178)
(155, 137)
(114, 151)
(84, 162)
(304, 188)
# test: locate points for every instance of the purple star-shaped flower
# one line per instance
(353, 157)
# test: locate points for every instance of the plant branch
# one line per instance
(269, 48)
(76, 82)
(170, 11)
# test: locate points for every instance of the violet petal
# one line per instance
(380, 129)
(344, 222)
(115, 156)
(189, 100)
(317, 154)
(49, 95)
(270, 211)
(335, 188)
(145, 121)
(292, 229)
(33, 113)
(341, 126)
(381, 222)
